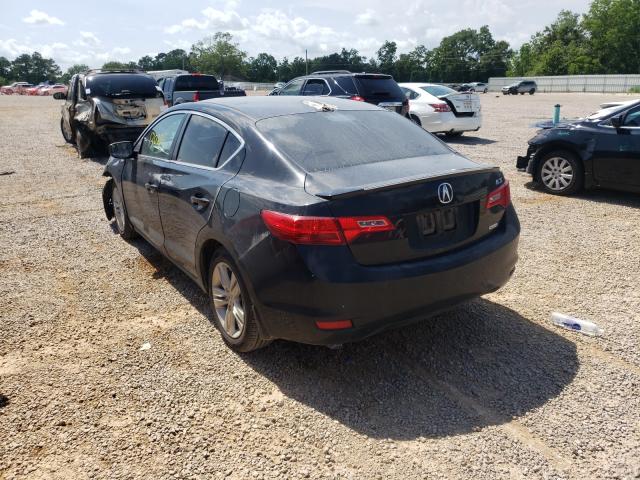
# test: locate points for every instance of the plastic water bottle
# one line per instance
(577, 324)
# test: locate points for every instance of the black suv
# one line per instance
(525, 86)
(107, 106)
(375, 88)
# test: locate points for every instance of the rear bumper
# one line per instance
(116, 133)
(450, 123)
(378, 298)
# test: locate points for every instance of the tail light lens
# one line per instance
(357, 98)
(196, 97)
(440, 107)
(500, 196)
(322, 230)
(334, 324)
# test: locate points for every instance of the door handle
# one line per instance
(200, 202)
(151, 187)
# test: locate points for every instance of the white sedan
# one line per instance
(440, 109)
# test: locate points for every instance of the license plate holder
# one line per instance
(437, 221)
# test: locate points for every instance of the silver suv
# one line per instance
(522, 87)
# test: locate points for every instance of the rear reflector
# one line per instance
(334, 325)
(440, 107)
(196, 97)
(357, 98)
(323, 230)
(500, 196)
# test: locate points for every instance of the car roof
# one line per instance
(260, 107)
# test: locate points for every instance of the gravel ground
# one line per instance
(489, 390)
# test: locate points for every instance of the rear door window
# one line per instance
(231, 145)
(329, 140)
(316, 86)
(202, 142)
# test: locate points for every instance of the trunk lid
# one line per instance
(463, 104)
(424, 225)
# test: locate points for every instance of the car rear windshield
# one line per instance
(188, 83)
(375, 86)
(438, 90)
(330, 140)
(121, 85)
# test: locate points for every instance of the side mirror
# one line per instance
(617, 121)
(121, 150)
(60, 96)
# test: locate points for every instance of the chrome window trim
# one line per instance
(205, 115)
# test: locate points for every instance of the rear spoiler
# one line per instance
(346, 192)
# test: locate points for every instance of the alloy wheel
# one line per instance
(227, 300)
(557, 173)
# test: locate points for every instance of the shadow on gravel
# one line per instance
(612, 197)
(166, 270)
(480, 364)
(463, 140)
(4, 400)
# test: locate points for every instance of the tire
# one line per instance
(560, 173)
(521, 93)
(123, 224)
(68, 136)
(84, 142)
(532, 91)
(415, 120)
(485, 90)
(453, 134)
(238, 326)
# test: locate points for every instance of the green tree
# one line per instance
(115, 65)
(5, 67)
(613, 28)
(386, 55)
(263, 68)
(34, 68)
(219, 55)
(71, 71)
(147, 63)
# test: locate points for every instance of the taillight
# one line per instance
(196, 97)
(322, 230)
(500, 196)
(357, 98)
(440, 107)
(334, 324)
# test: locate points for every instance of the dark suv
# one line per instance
(375, 88)
(107, 106)
(525, 86)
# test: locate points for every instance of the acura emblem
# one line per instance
(445, 193)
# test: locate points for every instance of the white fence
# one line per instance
(574, 83)
(250, 85)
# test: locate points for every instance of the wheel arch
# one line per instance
(552, 147)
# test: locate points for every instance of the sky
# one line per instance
(93, 32)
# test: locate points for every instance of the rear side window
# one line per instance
(329, 140)
(316, 86)
(292, 88)
(159, 140)
(202, 141)
(188, 83)
(345, 85)
(230, 146)
(371, 86)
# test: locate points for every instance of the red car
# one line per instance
(15, 88)
(34, 90)
(51, 89)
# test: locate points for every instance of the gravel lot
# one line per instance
(490, 390)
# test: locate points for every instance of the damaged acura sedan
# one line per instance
(305, 219)
(108, 106)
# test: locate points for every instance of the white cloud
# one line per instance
(90, 38)
(369, 18)
(38, 17)
(213, 19)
